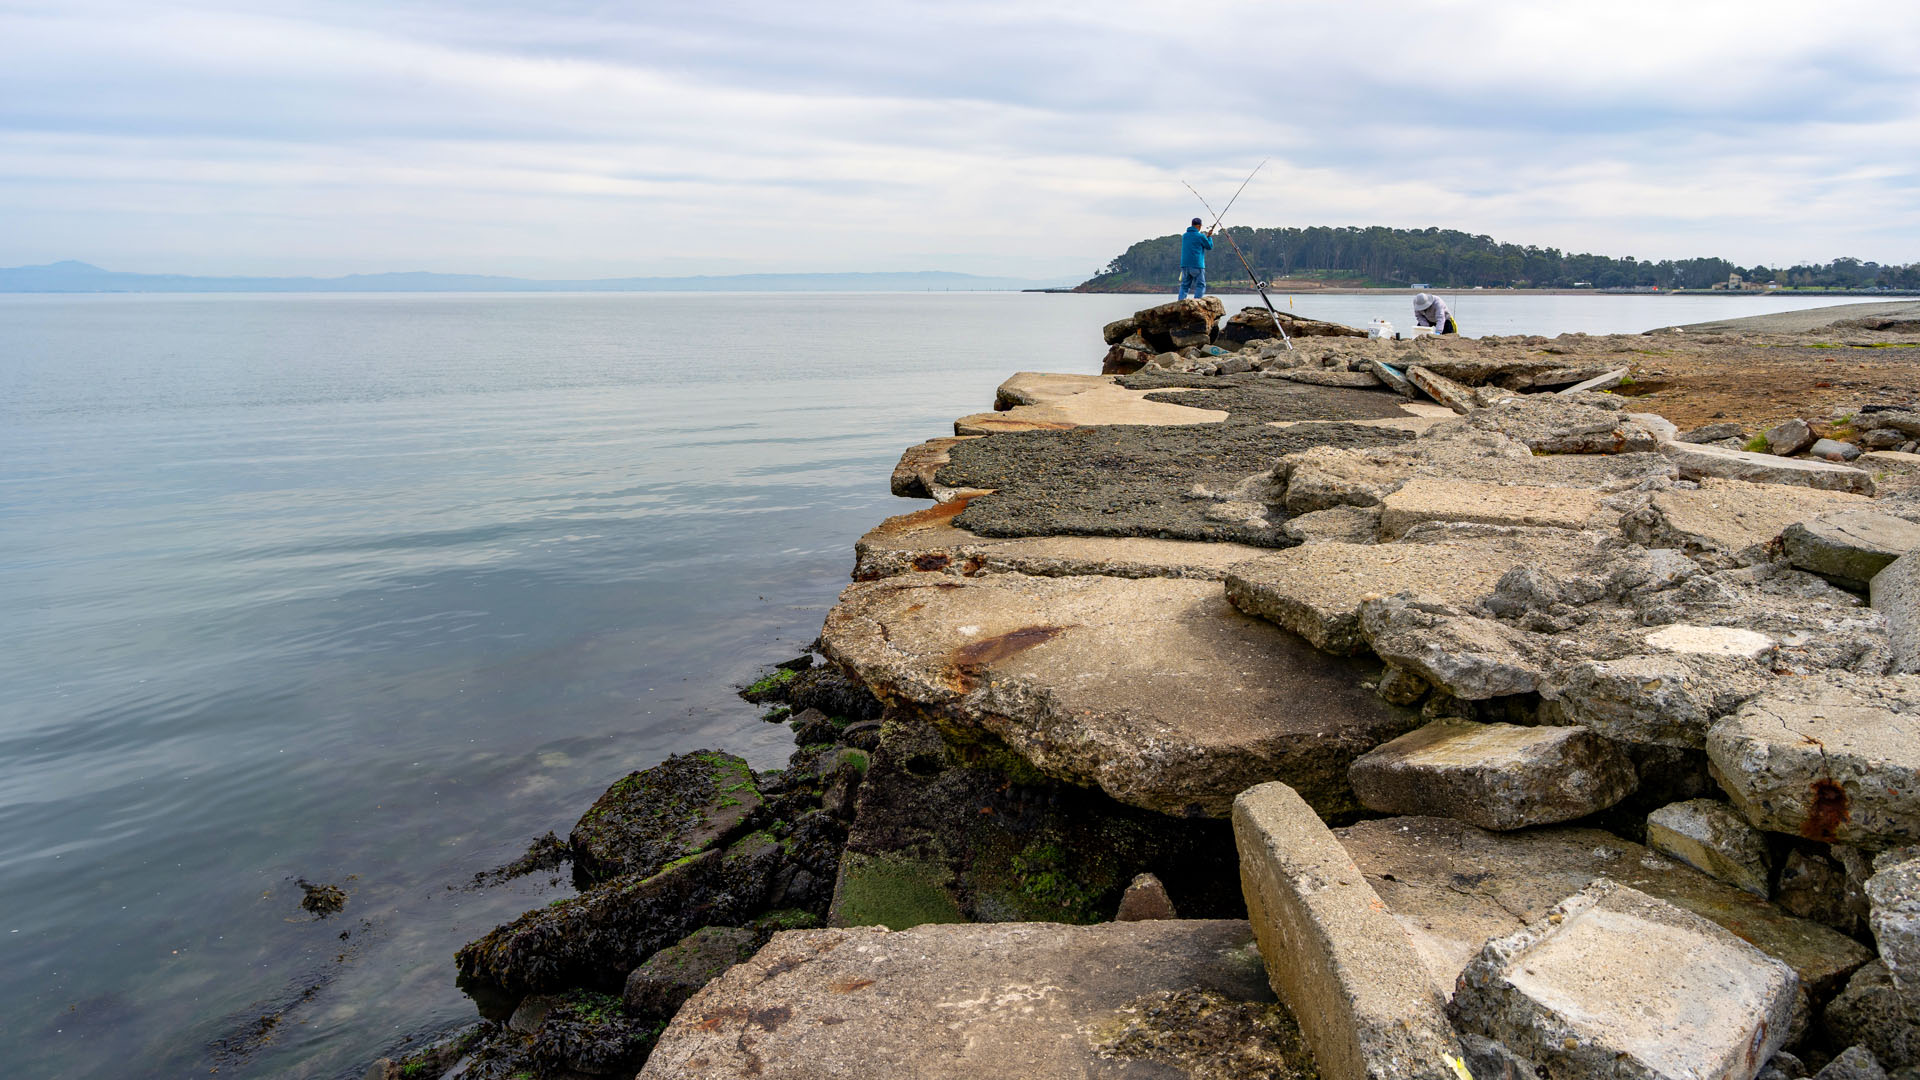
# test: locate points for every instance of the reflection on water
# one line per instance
(372, 590)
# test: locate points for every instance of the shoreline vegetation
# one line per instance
(1249, 710)
(1380, 257)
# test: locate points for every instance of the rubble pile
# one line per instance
(1360, 709)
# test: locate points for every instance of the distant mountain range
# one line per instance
(79, 277)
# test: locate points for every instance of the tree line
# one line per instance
(1448, 258)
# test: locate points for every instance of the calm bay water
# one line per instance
(371, 590)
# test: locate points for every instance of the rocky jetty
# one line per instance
(1359, 709)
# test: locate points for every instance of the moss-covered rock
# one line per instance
(593, 940)
(687, 804)
(834, 692)
(949, 831)
(660, 986)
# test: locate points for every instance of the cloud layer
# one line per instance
(583, 139)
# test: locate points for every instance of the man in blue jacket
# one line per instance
(1194, 246)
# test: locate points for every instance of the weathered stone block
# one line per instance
(1668, 700)
(1146, 898)
(1428, 498)
(966, 1002)
(1339, 960)
(1193, 703)
(1894, 896)
(1470, 657)
(1848, 547)
(1616, 983)
(1711, 641)
(1700, 461)
(1496, 776)
(1895, 593)
(1453, 887)
(1335, 525)
(1315, 590)
(1708, 836)
(1789, 438)
(1834, 758)
(1731, 519)
(1441, 389)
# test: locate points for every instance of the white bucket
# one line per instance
(1380, 328)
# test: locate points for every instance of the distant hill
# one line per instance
(79, 277)
(1446, 258)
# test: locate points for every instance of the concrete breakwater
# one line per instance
(1356, 709)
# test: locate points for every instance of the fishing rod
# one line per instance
(1252, 278)
(1236, 194)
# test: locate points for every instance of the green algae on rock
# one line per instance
(687, 804)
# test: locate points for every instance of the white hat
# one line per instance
(1421, 300)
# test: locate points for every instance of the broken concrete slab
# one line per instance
(1603, 381)
(1571, 424)
(1895, 593)
(1666, 700)
(1731, 522)
(1471, 658)
(1441, 389)
(1336, 524)
(1713, 433)
(1496, 776)
(1102, 404)
(913, 477)
(1709, 836)
(1848, 547)
(961, 1002)
(1392, 378)
(1326, 476)
(1698, 461)
(1893, 472)
(1711, 641)
(1180, 323)
(1156, 690)
(1834, 758)
(1429, 498)
(1339, 961)
(1160, 482)
(1453, 887)
(1359, 380)
(1041, 387)
(1315, 590)
(1613, 982)
(927, 540)
(1893, 895)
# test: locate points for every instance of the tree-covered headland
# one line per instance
(1376, 256)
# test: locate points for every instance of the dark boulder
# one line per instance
(687, 804)
(1180, 324)
(593, 940)
(592, 1034)
(660, 986)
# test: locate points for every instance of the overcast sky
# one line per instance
(587, 138)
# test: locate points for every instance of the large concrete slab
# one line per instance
(1453, 887)
(1834, 758)
(1731, 520)
(1849, 546)
(1156, 690)
(965, 1002)
(1335, 955)
(1617, 983)
(1043, 387)
(1496, 776)
(1095, 405)
(913, 477)
(1432, 498)
(927, 540)
(1700, 461)
(1315, 590)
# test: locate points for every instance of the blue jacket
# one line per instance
(1193, 249)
